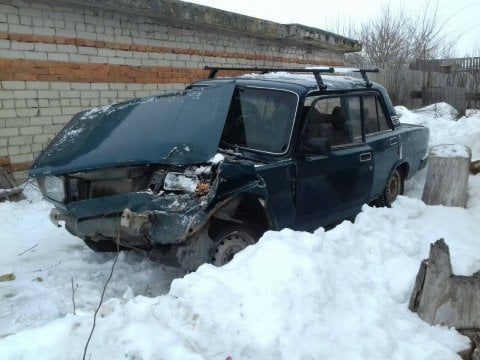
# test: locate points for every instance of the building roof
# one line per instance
(199, 16)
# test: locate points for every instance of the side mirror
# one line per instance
(317, 146)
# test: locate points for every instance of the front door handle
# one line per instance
(365, 157)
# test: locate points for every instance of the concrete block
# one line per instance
(13, 85)
(48, 94)
(55, 103)
(98, 59)
(11, 131)
(37, 85)
(62, 119)
(60, 86)
(20, 140)
(32, 103)
(13, 19)
(116, 60)
(123, 53)
(57, 57)
(52, 129)
(106, 52)
(7, 113)
(34, 55)
(133, 62)
(25, 149)
(21, 157)
(13, 151)
(31, 130)
(12, 54)
(86, 35)
(44, 31)
(49, 111)
(72, 110)
(36, 148)
(17, 122)
(45, 47)
(6, 94)
(8, 104)
(5, 44)
(78, 58)
(27, 112)
(15, 45)
(85, 50)
(41, 120)
(42, 139)
(69, 49)
(105, 37)
(8, 9)
(89, 94)
(99, 86)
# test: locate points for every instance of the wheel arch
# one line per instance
(245, 208)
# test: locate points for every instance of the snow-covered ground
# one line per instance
(341, 294)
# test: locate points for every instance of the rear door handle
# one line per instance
(393, 140)
(365, 157)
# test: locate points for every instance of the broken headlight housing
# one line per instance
(175, 181)
(53, 187)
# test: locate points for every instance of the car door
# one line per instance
(331, 185)
(384, 141)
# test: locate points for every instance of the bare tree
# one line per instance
(387, 37)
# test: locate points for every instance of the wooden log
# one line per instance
(447, 175)
(439, 297)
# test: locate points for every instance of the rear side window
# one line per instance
(337, 119)
(260, 119)
(375, 119)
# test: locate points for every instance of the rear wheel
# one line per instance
(230, 239)
(395, 186)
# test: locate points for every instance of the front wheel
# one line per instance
(395, 186)
(231, 239)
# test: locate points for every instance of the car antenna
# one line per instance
(316, 71)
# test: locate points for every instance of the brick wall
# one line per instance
(57, 59)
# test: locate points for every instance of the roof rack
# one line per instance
(316, 71)
(364, 72)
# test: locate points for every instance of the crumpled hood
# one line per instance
(178, 128)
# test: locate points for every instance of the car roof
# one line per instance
(299, 83)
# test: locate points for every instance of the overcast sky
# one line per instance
(462, 17)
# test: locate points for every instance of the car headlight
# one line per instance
(182, 182)
(52, 187)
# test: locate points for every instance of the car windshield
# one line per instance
(260, 119)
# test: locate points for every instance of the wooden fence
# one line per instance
(414, 88)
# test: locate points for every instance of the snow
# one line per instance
(450, 150)
(328, 295)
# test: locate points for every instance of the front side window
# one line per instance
(336, 119)
(260, 119)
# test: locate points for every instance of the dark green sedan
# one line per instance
(196, 176)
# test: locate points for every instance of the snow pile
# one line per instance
(446, 150)
(445, 130)
(327, 295)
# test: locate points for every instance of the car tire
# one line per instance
(103, 245)
(395, 187)
(230, 239)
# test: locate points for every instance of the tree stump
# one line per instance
(447, 175)
(439, 297)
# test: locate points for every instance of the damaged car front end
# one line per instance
(146, 174)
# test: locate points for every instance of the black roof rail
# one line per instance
(315, 71)
(364, 72)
